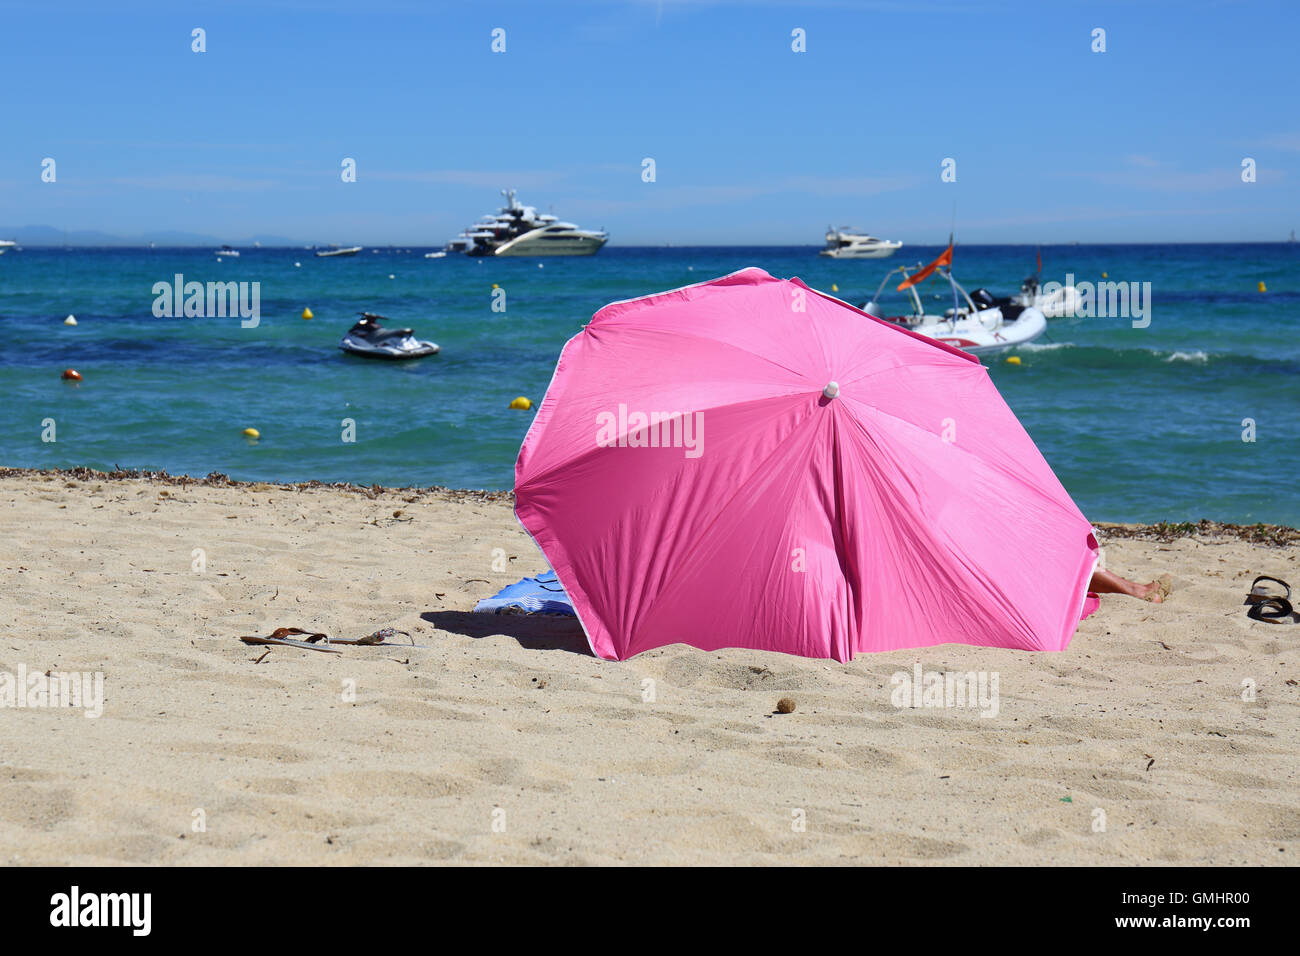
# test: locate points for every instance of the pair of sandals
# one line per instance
(1270, 601)
(318, 641)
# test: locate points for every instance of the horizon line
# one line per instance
(707, 245)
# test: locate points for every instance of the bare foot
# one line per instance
(1150, 592)
(1157, 590)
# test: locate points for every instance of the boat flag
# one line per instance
(945, 259)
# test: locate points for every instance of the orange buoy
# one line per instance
(71, 375)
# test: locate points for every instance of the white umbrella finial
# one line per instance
(831, 390)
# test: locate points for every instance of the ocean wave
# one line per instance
(1198, 357)
(1044, 346)
(1080, 356)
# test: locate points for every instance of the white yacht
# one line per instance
(227, 252)
(337, 251)
(851, 244)
(519, 230)
(7, 244)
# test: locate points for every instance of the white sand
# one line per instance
(1142, 718)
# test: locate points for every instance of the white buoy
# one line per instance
(391, 276)
(297, 265)
(70, 320)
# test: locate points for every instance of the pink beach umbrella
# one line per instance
(750, 463)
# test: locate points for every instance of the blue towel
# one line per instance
(540, 595)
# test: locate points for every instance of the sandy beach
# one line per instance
(501, 739)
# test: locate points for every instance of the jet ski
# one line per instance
(369, 338)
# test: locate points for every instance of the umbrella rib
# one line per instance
(853, 613)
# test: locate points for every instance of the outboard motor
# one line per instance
(983, 299)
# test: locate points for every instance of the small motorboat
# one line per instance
(225, 251)
(440, 254)
(333, 251)
(6, 245)
(978, 327)
(369, 338)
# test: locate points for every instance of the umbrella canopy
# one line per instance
(750, 463)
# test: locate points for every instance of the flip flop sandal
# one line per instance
(378, 639)
(1262, 592)
(281, 635)
(1273, 610)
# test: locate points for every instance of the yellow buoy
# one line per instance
(834, 287)
(306, 314)
(252, 433)
(1262, 287)
(495, 286)
(521, 403)
(1013, 360)
(1105, 276)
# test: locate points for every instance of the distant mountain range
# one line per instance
(50, 236)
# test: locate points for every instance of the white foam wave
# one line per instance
(1044, 346)
(1198, 357)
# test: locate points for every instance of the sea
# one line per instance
(1196, 414)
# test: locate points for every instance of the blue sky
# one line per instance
(753, 143)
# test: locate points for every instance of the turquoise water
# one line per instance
(1140, 424)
